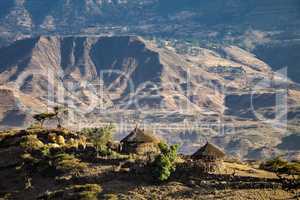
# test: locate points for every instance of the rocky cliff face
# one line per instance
(127, 77)
(132, 72)
(264, 27)
(109, 78)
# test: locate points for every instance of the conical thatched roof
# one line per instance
(141, 136)
(209, 150)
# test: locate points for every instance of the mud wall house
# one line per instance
(211, 156)
(140, 142)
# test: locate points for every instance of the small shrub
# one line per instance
(29, 160)
(86, 187)
(34, 126)
(100, 137)
(37, 163)
(80, 192)
(292, 169)
(274, 165)
(109, 197)
(281, 167)
(164, 164)
(31, 142)
(68, 163)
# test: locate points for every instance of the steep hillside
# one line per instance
(53, 164)
(268, 29)
(123, 73)
(281, 55)
(127, 79)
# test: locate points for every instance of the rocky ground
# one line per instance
(59, 164)
(183, 97)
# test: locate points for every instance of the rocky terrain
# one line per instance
(196, 68)
(122, 79)
(258, 26)
(39, 163)
(193, 72)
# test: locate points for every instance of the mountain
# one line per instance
(127, 78)
(277, 14)
(136, 67)
(260, 26)
(200, 62)
(192, 72)
(135, 74)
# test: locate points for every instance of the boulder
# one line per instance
(60, 140)
(52, 138)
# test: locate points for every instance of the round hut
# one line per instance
(211, 156)
(140, 142)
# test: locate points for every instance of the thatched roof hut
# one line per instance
(141, 136)
(140, 141)
(209, 152)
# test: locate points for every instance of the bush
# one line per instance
(281, 167)
(43, 162)
(37, 162)
(68, 163)
(100, 137)
(274, 165)
(31, 142)
(292, 169)
(34, 126)
(86, 187)
(109, 197)
(80, 192)
(164, 164)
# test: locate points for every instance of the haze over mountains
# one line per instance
(143, 76)
(190, 52)
(104, 78)
(259, 14)
(262, 26)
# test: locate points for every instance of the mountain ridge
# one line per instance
(126, 78)
(258, 26)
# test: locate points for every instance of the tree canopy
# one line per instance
(165, 163)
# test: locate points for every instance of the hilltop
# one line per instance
(42, 163)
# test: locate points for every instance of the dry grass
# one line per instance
(80, 192)
(68, 163)
(31, 142)
(246, 170)
(82, 180)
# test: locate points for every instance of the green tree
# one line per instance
(58, 114)
(165, 163)
(42, 117)
(99, 136)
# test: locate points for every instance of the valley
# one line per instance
(149, 99)
(127, 80)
